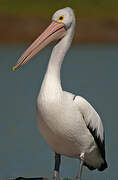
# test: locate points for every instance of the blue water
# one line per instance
(89, 71)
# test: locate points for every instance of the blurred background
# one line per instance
(90, 69)
(21, 21)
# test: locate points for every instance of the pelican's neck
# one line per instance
(52, 82)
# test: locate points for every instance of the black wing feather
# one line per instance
(100, 144)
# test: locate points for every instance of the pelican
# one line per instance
(68, 123)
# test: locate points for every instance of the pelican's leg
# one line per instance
(57, 166)
(81, 167)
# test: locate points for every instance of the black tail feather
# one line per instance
(103, 166)
(90, 167)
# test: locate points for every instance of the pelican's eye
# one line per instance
(61, 18)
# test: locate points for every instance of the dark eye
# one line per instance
(61, 18)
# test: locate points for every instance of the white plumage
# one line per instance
(69, 124)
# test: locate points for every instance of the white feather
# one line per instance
(91, 117)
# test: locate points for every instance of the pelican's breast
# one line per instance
(61, 124)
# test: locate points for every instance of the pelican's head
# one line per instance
(62, 21)
(65, 16)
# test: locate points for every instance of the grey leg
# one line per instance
(57, 166)
(81, 167)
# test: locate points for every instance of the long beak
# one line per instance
(54, 31)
